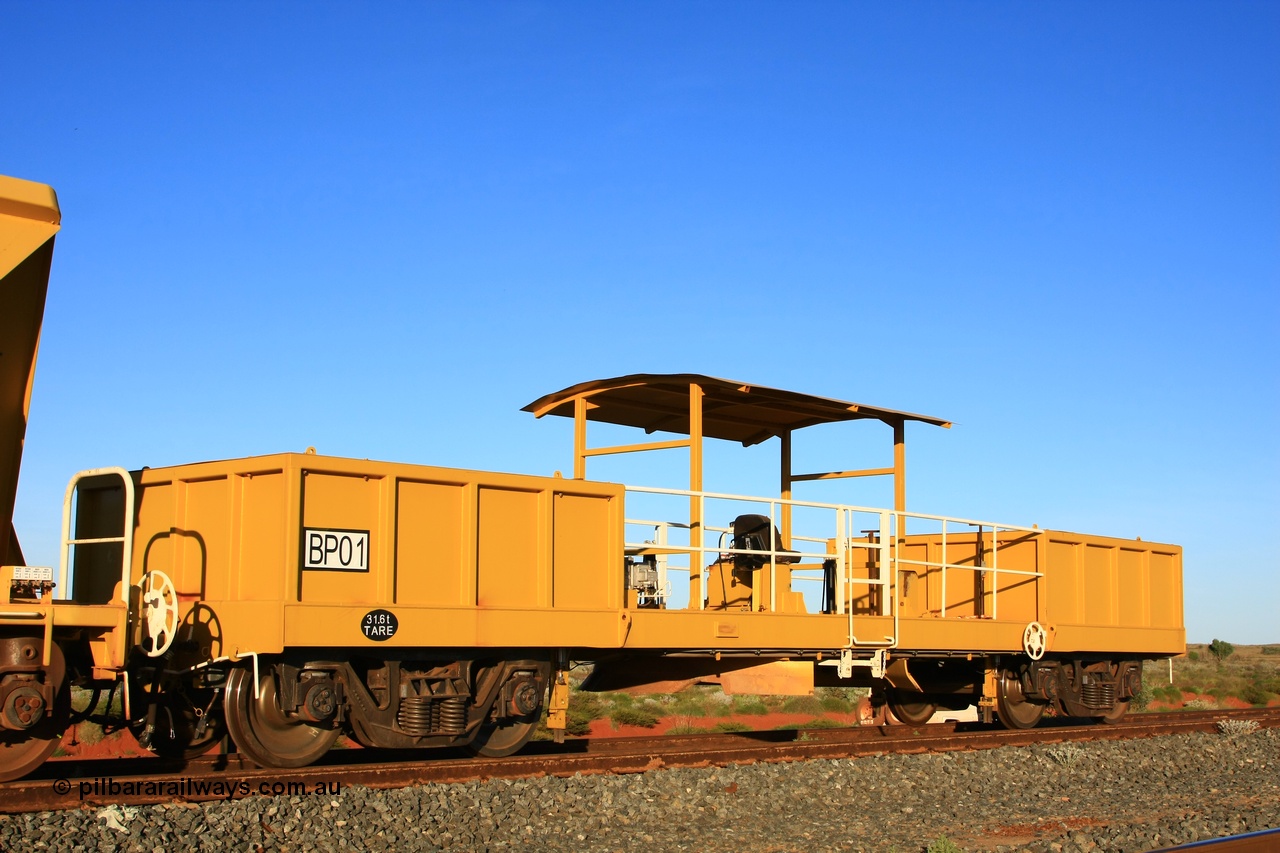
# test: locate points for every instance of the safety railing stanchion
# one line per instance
(886, 557)
(661, 560)
(703, 577)
(773, 560)
(995, 572)
(842, 549)
(944, 568)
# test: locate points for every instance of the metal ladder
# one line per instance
(125, 540)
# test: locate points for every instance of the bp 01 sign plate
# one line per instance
(379, 625)
(335, 550)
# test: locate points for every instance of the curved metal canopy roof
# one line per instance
(735, 411)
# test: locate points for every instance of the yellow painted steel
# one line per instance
(29, 219)
(462, 558)
(484, 560)
(478, 559)
(296, 551)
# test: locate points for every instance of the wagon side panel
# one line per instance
(1115, 595)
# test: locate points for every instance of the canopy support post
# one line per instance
(785, 490)
(580, 438)
(900, 474)
(696, 560)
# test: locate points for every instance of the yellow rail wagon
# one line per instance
(286, 599)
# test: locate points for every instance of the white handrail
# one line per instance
(819, 505)
(126, 540)
(882, 542)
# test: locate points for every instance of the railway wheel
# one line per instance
(23, 749)
(1117, 712)
(911, 708)
(499, 741)
(263, 731)
(171, 723)
(1013, 708)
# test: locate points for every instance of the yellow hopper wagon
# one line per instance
(284, 600)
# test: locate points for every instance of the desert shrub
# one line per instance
(89, 733)
(1200, 705)
(719, 705)
(1143, 698)
(1271, 650)
(943, 845)
(618, 700)
(633, 716)
(1254, 695)
(1237, 728)
(835, 704)
(689, 703)
(685, 728)
(1221, 649)
(732, 726)
(751, 705)
(1066, 754)
(802, 705)
(576, 724)
(583, 710)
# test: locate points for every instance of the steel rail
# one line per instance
(68, 783)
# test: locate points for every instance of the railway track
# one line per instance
(63, 784)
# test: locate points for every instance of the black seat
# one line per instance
(751, 533)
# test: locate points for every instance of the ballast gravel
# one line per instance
(1107, 795)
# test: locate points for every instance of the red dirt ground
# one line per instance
(115, 745)
(1228, 702)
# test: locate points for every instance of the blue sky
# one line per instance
(382, 230)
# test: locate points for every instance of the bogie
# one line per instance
(300, 709)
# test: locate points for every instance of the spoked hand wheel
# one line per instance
(159, 613)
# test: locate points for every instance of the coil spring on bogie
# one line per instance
(453, 715)
(1098, 695)
(420, 716)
